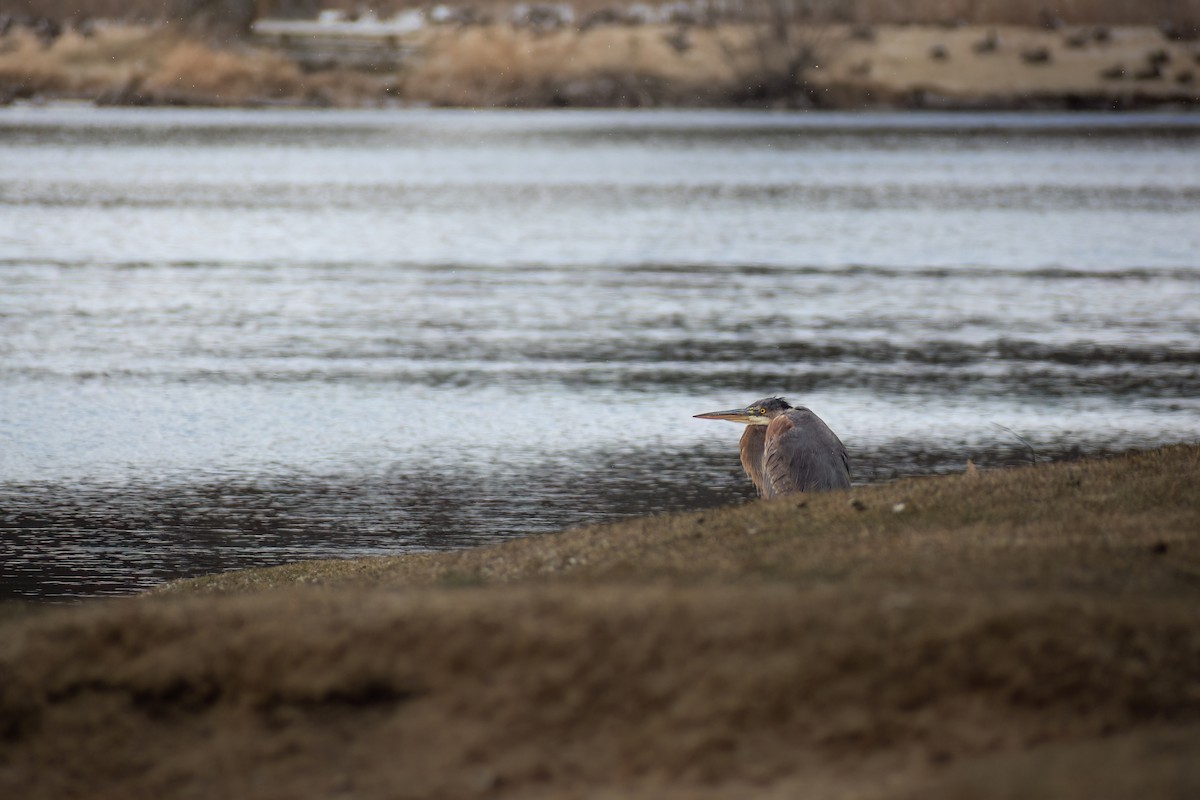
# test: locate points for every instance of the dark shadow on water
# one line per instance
(66, 541)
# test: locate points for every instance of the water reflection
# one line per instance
(241, 338)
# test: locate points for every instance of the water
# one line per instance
(234, 338)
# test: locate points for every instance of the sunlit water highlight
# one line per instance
(242, 338)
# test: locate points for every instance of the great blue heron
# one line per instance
(788, 449)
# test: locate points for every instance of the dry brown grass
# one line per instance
(898, 62)
(146, 64)
(26, 69)
(825, 66)
(497, 65)
(1020, 634)
(830, 66)
(646, 65)
(196, 72)
(608, 691)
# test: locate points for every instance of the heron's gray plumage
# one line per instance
(785, 450)
(803, 456)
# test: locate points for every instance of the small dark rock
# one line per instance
(1077, 40)
(939, 53)
(679, 40)
(863, 33)
(1036, 55)
(1158, 548)
(1179, 33)
(1159, 57)
(1114, 73)
(988, 44)
(47, 30)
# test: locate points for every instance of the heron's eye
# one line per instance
(760, 411)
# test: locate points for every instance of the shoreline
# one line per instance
(569, 555)
(1019, 632)
(727, 65)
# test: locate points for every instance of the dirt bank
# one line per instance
(1026, 633)
(723, 65)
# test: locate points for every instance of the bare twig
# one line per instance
(1033, 456)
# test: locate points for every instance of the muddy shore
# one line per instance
(1022, 633)
(651, 65)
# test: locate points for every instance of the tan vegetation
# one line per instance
(1020, 634)
(620, 65)
(608, 66)
(1006, 66)
(143, 64)
(828, 53)
(190, 69)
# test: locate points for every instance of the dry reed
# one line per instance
(194, 71)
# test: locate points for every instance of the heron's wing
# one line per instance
(803, 455)
(753, 443)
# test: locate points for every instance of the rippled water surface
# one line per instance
(242, 338)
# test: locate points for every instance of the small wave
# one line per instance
(521, 269)
(600, 196)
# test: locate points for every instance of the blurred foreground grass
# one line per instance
(1015, 634)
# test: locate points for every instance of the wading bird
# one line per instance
(786, 450)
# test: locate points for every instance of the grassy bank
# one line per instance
(1023, 633)
(728, 64)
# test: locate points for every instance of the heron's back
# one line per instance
(802, 454)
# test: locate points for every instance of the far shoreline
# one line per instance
(61, 109)
(730, 65)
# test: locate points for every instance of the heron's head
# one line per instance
(760, 412)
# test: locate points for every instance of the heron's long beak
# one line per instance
(733, 415)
